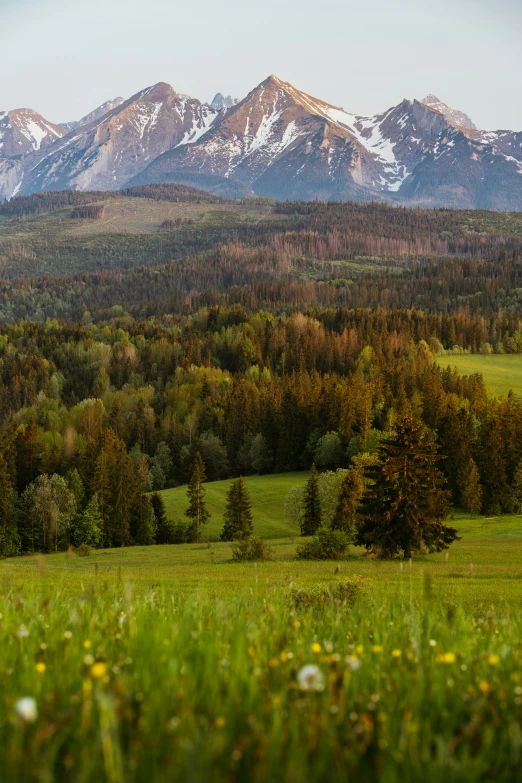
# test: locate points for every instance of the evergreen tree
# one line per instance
(165, 533)
(197, 510)
(87, 527)
(9, 541)
(468, 481)
(28, 454)
(142, 520)
(113, 482)
(238, 513)
(492, 464)
(404, 508)
(517, 488)
(311, 521)
(349, 498)
(75, 484)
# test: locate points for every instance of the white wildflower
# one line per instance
(311, 678)
(26, 709)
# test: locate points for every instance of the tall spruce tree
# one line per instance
(404, 509)
(238, 513)
(9, 542)
(311, 520)
(197, 511)
(165, 533)
(468, 482)
(350, 495)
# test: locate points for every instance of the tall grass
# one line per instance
(161, 686)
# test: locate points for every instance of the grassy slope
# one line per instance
(484, 566)
(267, 493)
(501, 373)
(130, 233)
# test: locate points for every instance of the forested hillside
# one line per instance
(302, 336)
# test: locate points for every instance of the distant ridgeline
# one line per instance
(41, 203)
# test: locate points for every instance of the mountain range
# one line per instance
(278, 142)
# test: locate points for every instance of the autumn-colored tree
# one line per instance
(238, 513)
(197, 511)
(405, 507)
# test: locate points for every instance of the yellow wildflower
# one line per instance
(220, 722)
(87, 644)
(396, 653)
(359, 649)
(377, 648)
(251, 651)
(493, 660)
(40, 667)
(98, 670)
(484, 686)
(316, 648)
(448, 657)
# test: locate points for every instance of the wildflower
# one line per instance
(377, 648)
(316, 648)
(87, 644)
(251, 651)
(220, 722)
(122, 618)
(22, 632)
(67, 635)
(396, 653)
(448, 657)
(484, 686)
(88, 659)
(98, 670)
(433, 643)
(310, 678)
(27, 709)
(40, 667)
(493, 660)
(353, 662)
(359, 649)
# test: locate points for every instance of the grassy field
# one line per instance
(267, 493)
(174, 664)
(501, 372)
(484, 566)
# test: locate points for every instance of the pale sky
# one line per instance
(63, 58)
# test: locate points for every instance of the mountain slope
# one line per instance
(454, 116)
(23, 131)
(101, 111)
(109, 151)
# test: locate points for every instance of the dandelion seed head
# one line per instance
(310, 678)
(27, 709)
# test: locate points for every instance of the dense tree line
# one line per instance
(126, 406)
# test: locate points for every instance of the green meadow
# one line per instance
(173, 663)
(501, 373)
(267, 493)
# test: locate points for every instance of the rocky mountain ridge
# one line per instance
(278, 142)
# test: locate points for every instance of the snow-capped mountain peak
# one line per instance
(278, 141)
(454, 116)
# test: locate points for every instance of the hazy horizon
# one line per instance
(366, 59)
